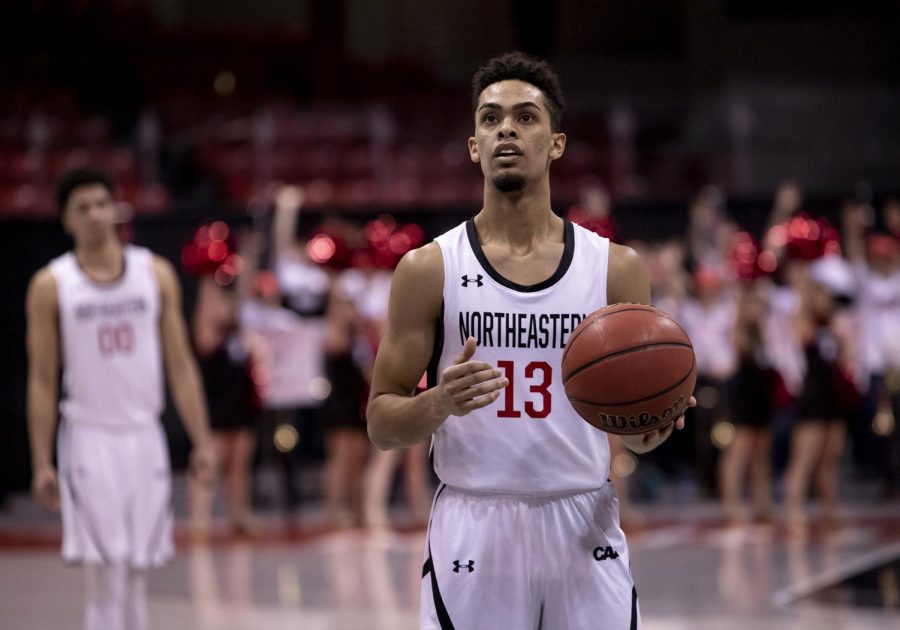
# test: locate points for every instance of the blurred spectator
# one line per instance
(225, 362)
(751, 402)
(668, 283)
(787, 203)
(875, 261)
(593, 210)
(708, 317)
(826, 399)
(347, 358)
(709, 231)
(287, 313)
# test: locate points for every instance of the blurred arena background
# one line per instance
(283, 155)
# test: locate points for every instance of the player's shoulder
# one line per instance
(166, 278)
(624, 259)
(42, 287)
(162, 267)
(418, 282)
(422, 263)
(627, 279)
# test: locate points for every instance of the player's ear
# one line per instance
(557, 145)
(473, 151)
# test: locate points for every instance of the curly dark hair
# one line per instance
(74, 178)
(519, 66)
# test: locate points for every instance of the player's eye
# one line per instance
(489, 118)
(527, 117)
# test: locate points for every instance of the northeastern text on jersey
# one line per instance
(517, 330)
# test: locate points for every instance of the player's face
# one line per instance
(513, 140)
(90, 214)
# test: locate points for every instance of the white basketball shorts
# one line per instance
(503, 562)
(115, 493)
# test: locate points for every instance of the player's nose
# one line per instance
(507, 129)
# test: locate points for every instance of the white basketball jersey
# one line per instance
(110, 341)
(530, 440)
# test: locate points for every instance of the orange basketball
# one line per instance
(629, 368)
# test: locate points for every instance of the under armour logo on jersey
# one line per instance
(478, 280)
(605, 553)
(457, 565)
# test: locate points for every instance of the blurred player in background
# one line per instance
(110, 315)
(524, 529)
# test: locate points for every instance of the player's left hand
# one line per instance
(203, 462)
(646, 442)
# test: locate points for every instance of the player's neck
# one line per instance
(102, 261)
(521, 217)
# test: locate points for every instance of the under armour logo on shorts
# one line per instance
(457, 565)
(477, 280)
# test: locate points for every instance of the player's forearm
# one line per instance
(187, 392)
(42, 418)
(399, 421)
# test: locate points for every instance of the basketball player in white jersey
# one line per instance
(111, 316)
(524, 529)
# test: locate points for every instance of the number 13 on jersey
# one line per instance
(538, 376)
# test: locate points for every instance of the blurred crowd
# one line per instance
(286, 330)
(796, 332)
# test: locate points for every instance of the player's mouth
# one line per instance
(507, 151)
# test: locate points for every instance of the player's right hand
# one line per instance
(45, 487)
(469, 385)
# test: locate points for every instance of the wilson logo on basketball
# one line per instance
(629, 368)
(643, 420)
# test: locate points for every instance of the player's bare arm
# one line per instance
(396, 417)
(629, 282)
(182, 371)
(42, 312)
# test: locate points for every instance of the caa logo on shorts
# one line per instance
(605, 553)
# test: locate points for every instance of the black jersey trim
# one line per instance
(67, 469)
(431, 373)
(84, 512)
(428, 568)
(634, 615)
(564, 263)
(104, 285)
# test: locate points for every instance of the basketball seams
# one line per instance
(590, 322)
(639, 400)
(618, 353)
(643, 327)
